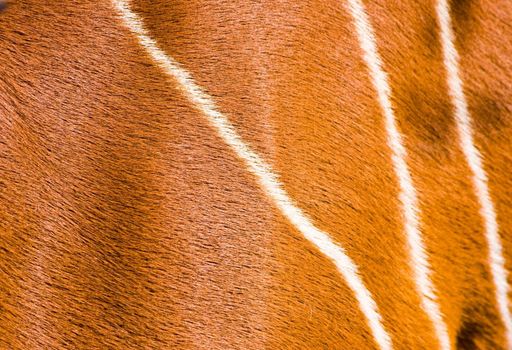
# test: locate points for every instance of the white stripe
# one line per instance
(408, 196)
(263, 172)
(474, 160)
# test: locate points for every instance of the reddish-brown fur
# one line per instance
(126, 222)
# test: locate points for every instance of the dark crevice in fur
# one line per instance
(467, 335)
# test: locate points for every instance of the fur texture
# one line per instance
(127, 222)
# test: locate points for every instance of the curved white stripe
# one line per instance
(474, 160)
(263, 172)
(408, 196)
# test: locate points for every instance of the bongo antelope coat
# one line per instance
(212, 174)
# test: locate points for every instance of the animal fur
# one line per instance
(126, 222)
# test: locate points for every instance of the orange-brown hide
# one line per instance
(127, 223)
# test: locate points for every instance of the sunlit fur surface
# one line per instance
(126, 222)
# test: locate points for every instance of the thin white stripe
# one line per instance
(263, 172)
(474, 160)
(408, 196)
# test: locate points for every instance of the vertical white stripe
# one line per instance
(474, 160)
(408, 196)
(263, 172)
